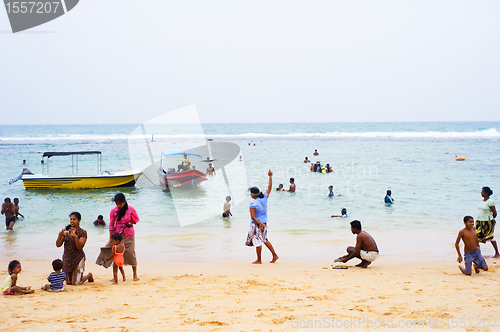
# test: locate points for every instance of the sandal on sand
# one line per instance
(340, 267)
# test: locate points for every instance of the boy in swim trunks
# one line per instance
(472, 252)
(16, 204)
(227, 208)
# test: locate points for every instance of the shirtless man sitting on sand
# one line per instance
(366, 248)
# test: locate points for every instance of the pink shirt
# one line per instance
(117, 226)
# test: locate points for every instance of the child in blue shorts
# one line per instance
(472, 254)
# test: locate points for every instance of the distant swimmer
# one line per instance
(292, 186)
(317, 167)
(280, 187)
(99, 221)
(24, 162)
(388, 199)
(227, 208)
(210, 170)
(307, 160)
(366, 249)
(330, 192)
(240, 159)
(316, 152)
(343, 213)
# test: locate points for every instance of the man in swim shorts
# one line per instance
(366, 249)
(9, 209)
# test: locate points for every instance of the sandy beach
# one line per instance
(239, 296)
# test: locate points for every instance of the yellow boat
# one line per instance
(101, 180)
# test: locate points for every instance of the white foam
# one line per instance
(489, 133)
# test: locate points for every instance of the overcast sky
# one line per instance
(124, 61)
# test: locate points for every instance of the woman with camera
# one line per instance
(74, 238)
(122, 219)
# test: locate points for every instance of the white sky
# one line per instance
(124, 61)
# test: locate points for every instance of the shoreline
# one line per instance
(240, 296)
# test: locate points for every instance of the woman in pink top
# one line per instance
(122, 219)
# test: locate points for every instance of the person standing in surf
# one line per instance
(258, 225)
(485, 221)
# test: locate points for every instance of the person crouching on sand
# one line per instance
(471, 248)
(258, 225)
(365, 249)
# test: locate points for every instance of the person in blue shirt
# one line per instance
(388, 199)
(258, 225)
(330, 192)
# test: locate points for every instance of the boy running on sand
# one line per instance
(471, 248)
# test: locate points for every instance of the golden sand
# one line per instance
(238, 296)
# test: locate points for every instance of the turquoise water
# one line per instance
(416, 161)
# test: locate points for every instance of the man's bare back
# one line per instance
(367, 243)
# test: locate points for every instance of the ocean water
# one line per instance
(416, 161)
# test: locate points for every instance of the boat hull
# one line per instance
(107, 180)
(189, 179)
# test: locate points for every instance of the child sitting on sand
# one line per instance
(118, 251)
(472, 253)
(56, 278)
(9, 286)
(227, 208)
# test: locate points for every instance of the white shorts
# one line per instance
(368, 255)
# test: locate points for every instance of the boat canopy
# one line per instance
(51, 154)
(174, 152)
